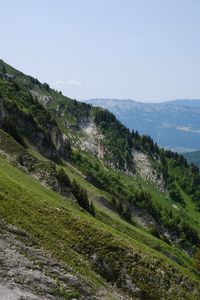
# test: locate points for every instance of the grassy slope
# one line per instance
(111, 218)
(104, 214)
(73, 112)
(189, 209)
(30, 206)
(72, 235)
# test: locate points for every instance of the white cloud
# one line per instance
(68, 83)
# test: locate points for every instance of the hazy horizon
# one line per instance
(141, 101)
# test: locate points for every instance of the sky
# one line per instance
(146, 50)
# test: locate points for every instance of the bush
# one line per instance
(64, 178)
(174, 193)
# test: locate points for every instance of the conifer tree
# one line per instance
(92, 210)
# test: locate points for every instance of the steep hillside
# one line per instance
(173, 125)
(67, 253)
(90, 209)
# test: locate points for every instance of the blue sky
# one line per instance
(147, 50)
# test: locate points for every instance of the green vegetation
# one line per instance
(28, 205)
(99, 216)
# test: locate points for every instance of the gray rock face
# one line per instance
(48, 141)
(42, 99)
(14, 293)
(28, 273)
(146, 170)
(92, 140)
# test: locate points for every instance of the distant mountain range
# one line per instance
(174, 124)
(193, 157)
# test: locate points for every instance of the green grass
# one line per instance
(104, 214)
(72, 235)
(59, 225)
(112, 219)
(189, 208)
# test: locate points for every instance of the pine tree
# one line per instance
(76, 190)
(92, 210)
(64, 178)
(84, 202)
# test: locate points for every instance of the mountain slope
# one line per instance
(173, 124)
(81, 244)
(109, 206)
(193, 157)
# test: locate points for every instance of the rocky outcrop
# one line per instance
(92, 139)
(146, 170)
(30, 273)
(26, 272)
(42, 99)
(143, 217)
(60, 142)
(42, 170)
(49, 141)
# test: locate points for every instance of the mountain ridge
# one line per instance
(172, 101)
(108, 204)
(172, 124)
(193, 157)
